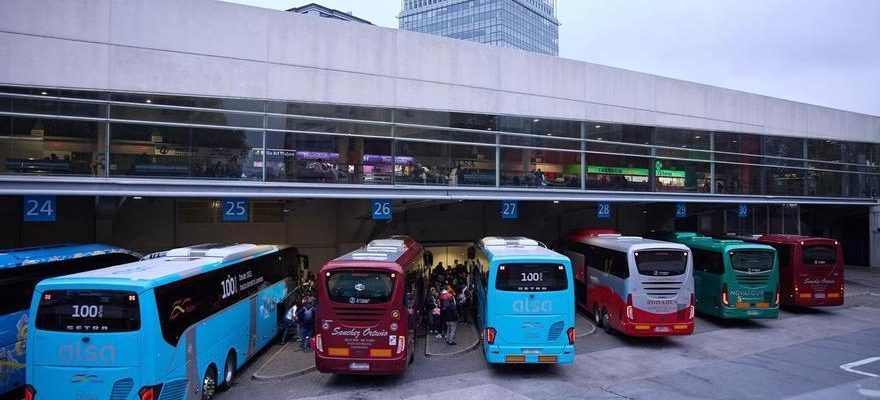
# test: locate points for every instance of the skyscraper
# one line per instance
(524, 24)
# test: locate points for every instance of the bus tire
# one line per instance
(597, 317)
(606, 322)
(229, 371)
(209, 383)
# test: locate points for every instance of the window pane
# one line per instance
(682, 176)
(50, 146)
(824, 183)
(611, 172)
(331, 111)
(300, 157)
(785, 181)
(173, 151)
(446, 164)
(446, 119)
(737, 179)
(540, 168)
(324, 126)
(601, 133)
(149, 114)
(540, 127)
(437, 134)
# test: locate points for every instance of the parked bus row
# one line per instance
(94, 321)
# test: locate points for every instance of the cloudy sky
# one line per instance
(824, 52)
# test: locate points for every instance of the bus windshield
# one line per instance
(88, 311)
(661, 263)
(820, 255)
(751, 260)
(531, 277)
(351, 287)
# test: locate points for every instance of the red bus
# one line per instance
(368, 308)
(632, 285)
(810, 269)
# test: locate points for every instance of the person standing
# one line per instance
(306, 317)
(450, 315)
(289, 316)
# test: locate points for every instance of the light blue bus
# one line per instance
(169, 328)
(524, 296)
(20, 270)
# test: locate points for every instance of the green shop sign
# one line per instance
(600, 169)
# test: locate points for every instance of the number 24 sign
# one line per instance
(39, 209)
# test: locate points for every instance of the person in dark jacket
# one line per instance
(306, 315)
(450, 315)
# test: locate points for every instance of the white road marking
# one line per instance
(849, 367)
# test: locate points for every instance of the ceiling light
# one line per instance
(44, 93)
(535, 120)
(555, 201)
(598, 126)
(733, 141)
(137, 197)
(549, 134)
(598, 138)
(149, 101)
(697, 137)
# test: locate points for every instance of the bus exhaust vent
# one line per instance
(555, 331)
(386, 245)
(509, 241)
(121, 389)
(173, 390)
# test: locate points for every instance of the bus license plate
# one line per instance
(359, 366)
(661, 329)
(531, 351)
(753, 312)
(819, 295)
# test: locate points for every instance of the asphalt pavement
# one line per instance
(828, 353)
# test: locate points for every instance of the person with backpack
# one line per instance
(289, 316)
(306, 317)
(450, 315)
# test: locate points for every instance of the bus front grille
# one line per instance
(173, 390)
(359, 316)
(121, 389)
(555, 331)
(662, 289)
(752, 280)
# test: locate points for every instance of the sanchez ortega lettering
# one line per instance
(823, 281)
(356, 333)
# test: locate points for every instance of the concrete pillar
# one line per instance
(874, 236)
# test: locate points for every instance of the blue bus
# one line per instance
(20, 270)
(524, 299)
(173, 327)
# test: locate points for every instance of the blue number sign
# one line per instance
(681, 210)
(382, 209)
(236, 209)
(743, 210)
(509, 209)
(603, 210)
(39, 209)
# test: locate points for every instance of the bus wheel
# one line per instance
(209, 384)
(606, 322)
(229, 371)
(597, 318)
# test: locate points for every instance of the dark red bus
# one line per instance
(368, 308)
(810, 269)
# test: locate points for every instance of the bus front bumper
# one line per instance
(651, 329)
(361, 366)
(496, 354)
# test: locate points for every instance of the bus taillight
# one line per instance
(29, 392)
(318, 343)
(629, 307)
(149, 392)
(724, 299)
(401, 344)
(490, 335)
(571, 334)
(777, 298)
(692, 307)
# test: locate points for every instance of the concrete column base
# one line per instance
(874, 236)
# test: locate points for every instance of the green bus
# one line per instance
(732, 278)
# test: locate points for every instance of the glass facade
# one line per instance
(523, 24)
(45, 131)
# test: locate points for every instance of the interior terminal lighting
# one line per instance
(598, 138)
(598, 126)
(555, 201)
(44, 93)
(535, 120)
(697, 137)
(149, 101)
(137, 197)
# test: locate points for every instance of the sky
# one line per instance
(824, 52)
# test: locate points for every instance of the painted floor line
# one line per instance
(850, 367)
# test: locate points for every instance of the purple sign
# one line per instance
(372, 159)
(317, 155)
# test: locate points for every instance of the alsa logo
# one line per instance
(83, 378)
(87, 353)
(532, 306)
(181, 307)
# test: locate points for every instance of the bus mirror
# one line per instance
(472, 253)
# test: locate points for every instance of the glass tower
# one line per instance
(523, 24)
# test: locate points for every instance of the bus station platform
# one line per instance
(285, 361)
(466, 337)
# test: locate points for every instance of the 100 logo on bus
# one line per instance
(228, 286)
(532, 306)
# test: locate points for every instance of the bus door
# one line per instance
(90, 340)
(530, 303)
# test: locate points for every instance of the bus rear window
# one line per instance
(360, 287)
(751, 260)
(661, 263)
(820, 255)
(88, 311)
(531, 277)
